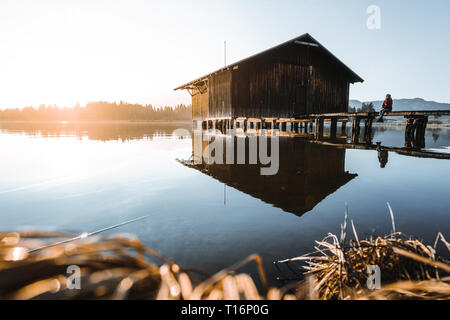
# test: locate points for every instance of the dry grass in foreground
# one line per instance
(119, 268)
(339, 270)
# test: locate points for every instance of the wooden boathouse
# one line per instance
(296, 78)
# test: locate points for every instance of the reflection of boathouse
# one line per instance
(307, 174)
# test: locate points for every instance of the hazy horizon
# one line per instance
(182, 103)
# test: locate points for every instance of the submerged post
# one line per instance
(275, 124)
(368, 129)
(333, 127)
(319, 127)
(355, 129)
(344, 127)
(415, 131)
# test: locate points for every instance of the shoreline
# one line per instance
(393, 124)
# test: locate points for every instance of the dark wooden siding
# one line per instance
(200, 105)
(291, 81)
(220, 95)
(270, 90)
(330, 86)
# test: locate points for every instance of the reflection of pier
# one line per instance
(403, 151)
(416, 123)
(307, 174)
(340, 141)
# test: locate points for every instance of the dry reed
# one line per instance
(123, 268)
(111, 268)
(408, 269)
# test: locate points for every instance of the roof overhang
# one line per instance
(305, 39)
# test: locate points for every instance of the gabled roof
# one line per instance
(305, 39)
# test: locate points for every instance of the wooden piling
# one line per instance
(344, 127)
(368, 129)
(319, 127)
(275, 125)
(355, 129)
(333, 127)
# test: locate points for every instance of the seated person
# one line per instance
(386, 107)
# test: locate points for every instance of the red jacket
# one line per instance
(387, 104)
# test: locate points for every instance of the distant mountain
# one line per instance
(406, 104)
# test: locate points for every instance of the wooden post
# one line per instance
(333, 127)
(355, 129)
(368, 129)
(319, 127)
(356, 124)
(245, 125)
(417, 135)
(296, 127)
(409, 130)
(420, 125)
(344, 127)
(283, 126)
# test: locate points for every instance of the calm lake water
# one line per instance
(83, 177)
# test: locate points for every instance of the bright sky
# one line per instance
(64, 52)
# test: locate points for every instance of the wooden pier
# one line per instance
(416, 123)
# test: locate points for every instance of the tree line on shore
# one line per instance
(98, 111)
(366, 107)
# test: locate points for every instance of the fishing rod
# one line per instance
(85, 235)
